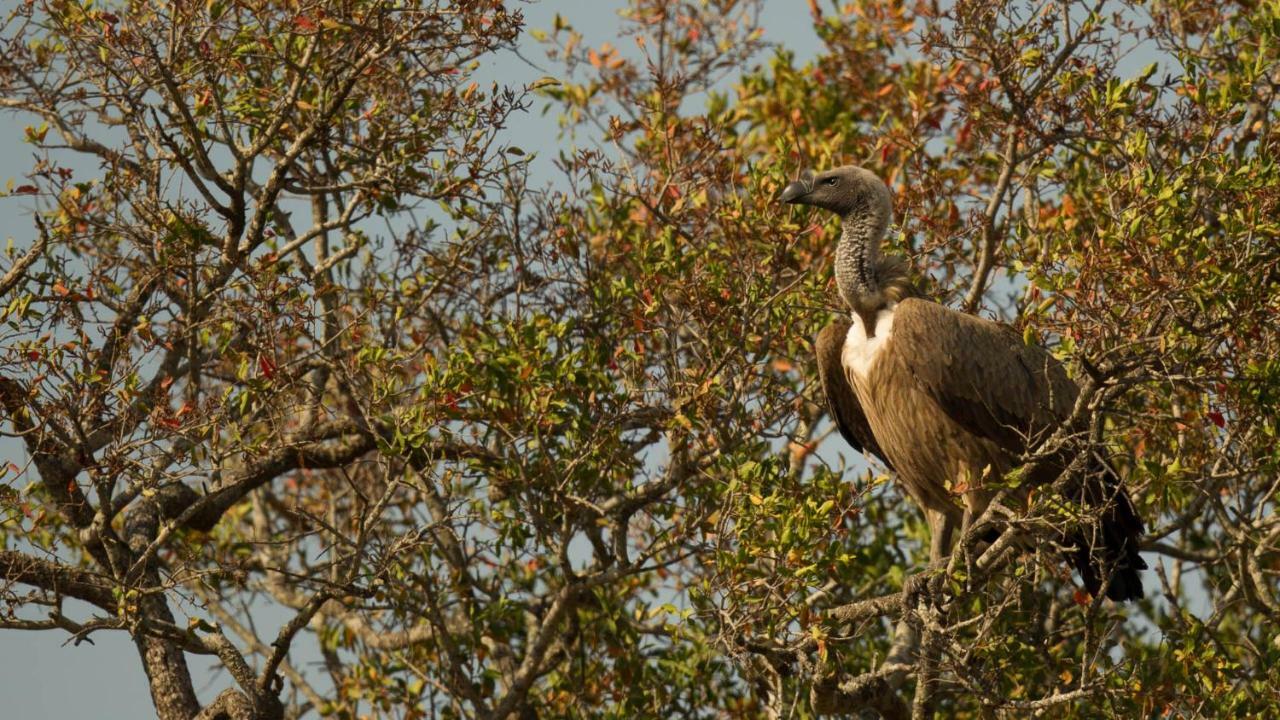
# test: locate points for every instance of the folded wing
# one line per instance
(999, 388)
(842, 402)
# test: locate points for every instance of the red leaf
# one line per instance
(799, 451)
(1217, 418)
(26, 190)
(1081, 597)
(304, 23)
(266, 366)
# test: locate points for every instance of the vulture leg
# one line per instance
(941, 527)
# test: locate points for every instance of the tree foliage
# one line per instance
(297, 347)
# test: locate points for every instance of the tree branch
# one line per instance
(57, 578)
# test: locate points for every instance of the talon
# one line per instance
(914, 588)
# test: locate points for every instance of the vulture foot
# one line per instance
(919, 588)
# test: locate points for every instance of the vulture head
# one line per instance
(845, 191)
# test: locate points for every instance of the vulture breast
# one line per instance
(861, 352)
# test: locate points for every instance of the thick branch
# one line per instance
(869, 690)
(56, 578)
(58, 469)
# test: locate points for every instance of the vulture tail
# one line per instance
(1105, 551)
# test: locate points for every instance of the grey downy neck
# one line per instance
(857, 257)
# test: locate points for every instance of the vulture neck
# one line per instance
(859, 272)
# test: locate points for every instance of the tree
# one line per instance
(512, 451)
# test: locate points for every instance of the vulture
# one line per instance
(948, 401)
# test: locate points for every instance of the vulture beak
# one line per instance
(796, 191)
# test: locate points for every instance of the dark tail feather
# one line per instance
(1105, 552)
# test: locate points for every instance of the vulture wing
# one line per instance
(842, 402)
(983, 375)
(997, 387)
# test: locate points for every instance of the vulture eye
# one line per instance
(831, 181)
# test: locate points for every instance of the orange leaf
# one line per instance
(799, 451)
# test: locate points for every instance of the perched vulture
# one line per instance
(949, 401)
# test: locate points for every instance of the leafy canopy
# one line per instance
(296, 347)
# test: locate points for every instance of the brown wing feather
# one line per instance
(996, 386)
(842, 402)
(983, 375)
